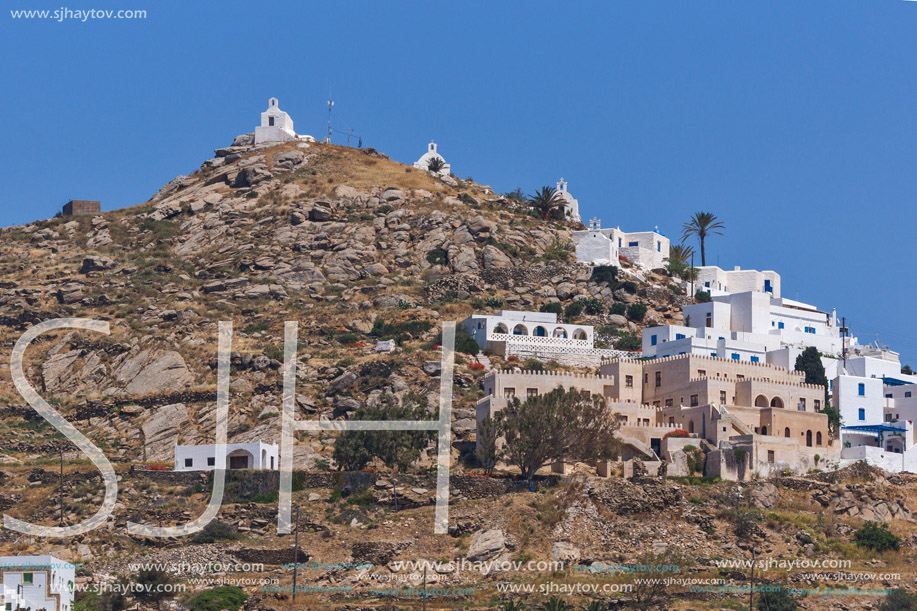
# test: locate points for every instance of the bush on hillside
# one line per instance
(636, 312)
(228, 598)
(553, 308)
(876, 537)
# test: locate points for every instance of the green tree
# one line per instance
(559, 425)
(898, 600)
(486, 450)
(154, 586)
(678, 262)
(702, 296)
(906, 370)
(607, 274)
(810, 363)
(629, 341)
(436, 164)
(545, 201)
(553, 307)
(353, 450)
(702, 225)
(776, 600)
(517, 195)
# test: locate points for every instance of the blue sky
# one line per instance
(793, 121)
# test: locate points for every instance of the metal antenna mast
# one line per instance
(330, 106)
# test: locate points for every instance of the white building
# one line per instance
(38, 583)
(537, 335)
(257, 455)
(717, 281)
(753, 325)
(571, 204)
(424, 162)
(277, 126)
(646, 249)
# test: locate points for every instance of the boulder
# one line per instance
(392, 194)
(345, 192)
(151, 371)
(494, 258)
(432, 368)
(567, 553)
(244, 140)
(320, 212)
(94, 263)
(161, 431)
(289, 159)
(251, 176)
(486, 544)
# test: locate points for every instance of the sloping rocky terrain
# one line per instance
(355, 248)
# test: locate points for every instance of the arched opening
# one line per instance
(240, 459)
(540, 331)
(691, 427)
(520, 330)
(263, 458)
(777, 402)
(818, 438)
(579, 334)
(560, 332)
(809, 439)
(761, 401)
(764, 430)
(501, 328)
(786, 432)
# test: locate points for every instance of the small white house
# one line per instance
(646, 249)
(38, 583)
(257, 455)
(424, 162)
(717, 281)
(277, 126)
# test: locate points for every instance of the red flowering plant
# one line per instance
(678, 433)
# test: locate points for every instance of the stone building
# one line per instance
(80, 207)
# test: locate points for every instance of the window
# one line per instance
(767, 287)
(270, 121)
(735, 356)
(633, 243)
(658, 379)
(189, 462)
(646, 378)
(653, 340)
(668, 402)
(619, 242)
(693, 400)
(629, 381)
(861, 389)
(679, 336)
(531, 392)
(907, 393)
(701, 373)
(509, 392)
(211, 461)
(755, 359)
(817, 405)
(802, 405)
(770, 456)
(658, 246)
(780, 325)
(9, 606)
(889, 396)
(722, 396)
(713, 354)
(861, 415)
(28, 578)
(740, 377)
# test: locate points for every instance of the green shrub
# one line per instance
(702, 297)
(629, 341)
(629, 287)
(384, 209)
(215, 531)
(221, 598)
(618, 308)
(493, 302)
(593, 306)
(605, 273)
(438, 256)
(776, 600)
(553, 308)
(636, 312)
(573, 310)
(898, 600)
(876, 537)
(463, 341)
(399, 331)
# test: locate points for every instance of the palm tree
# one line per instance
(596, 605)
(436, 164)
(555, 604)
(545, 201)
(702, 224)
(680, 253)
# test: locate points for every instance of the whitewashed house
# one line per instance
(646, 249)
(717, 281)
(537, 335)
(38, 583)
(424, 162)
(257, 455)
(277, 126)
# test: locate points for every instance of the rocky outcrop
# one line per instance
(151, 371)
(161, 431)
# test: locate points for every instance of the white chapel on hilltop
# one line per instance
(571, 204)
(424, 162)
(277, 126)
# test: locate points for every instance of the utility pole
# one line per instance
(844, 332)
(295, 553)
(691, 275)
(424, 593)
(61, 485)
(751, 589)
